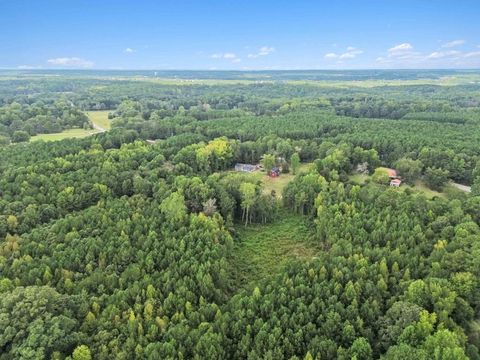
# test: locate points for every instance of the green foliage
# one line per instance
(114, 247)
(410, 170)
(22, 119)
(248, 191)
(263, 250)
(82, 352)
(380, 176)
(268, 162)
(295, 163)
(36, 320)
(436, 178)
(20, 136)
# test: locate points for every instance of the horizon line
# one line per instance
(239, 70)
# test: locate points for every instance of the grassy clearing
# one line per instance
(277, 184)
(358, 179)
(263, 250)
(67, 134)
(429, 193)
(419, 185)
(100, 118)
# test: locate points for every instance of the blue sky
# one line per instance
(241, 34)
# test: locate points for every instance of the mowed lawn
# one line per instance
(262, 250)
(98, 118)
(277, 183)
(67, 134)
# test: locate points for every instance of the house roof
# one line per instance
(392, 172)
(396, 181)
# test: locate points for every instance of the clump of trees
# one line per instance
(19, 121)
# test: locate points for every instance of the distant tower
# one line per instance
(155, 73)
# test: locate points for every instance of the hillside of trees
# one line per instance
(125, 244)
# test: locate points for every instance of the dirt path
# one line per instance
(98, 128)
(465, 188)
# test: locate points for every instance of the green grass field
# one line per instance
(262, 250)
(70, 133)
(100, 118)
(278, 183)
(358, 179)
(429, 193)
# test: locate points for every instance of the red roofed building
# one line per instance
(392, 173)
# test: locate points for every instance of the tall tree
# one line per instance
(295, 163)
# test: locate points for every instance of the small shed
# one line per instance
(395, 182)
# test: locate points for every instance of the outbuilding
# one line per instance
(395, 182)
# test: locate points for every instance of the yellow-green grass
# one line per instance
(358, 179)
(429, 193)
(70, 133)
(100, 118)
(262, 250)
(277, 184)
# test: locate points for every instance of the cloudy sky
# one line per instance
(243, 35)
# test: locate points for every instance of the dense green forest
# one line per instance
(143, 242)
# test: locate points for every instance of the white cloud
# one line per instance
(263, 51)
(472, 54)
(331, 56)
(400, 48)
(70, 62)
(404, 56)
(223, 56)
(347, 56)
(351, 53)
(227, 56)
(443, 54)
(129, 50)
(401, 53)
(453, 43)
